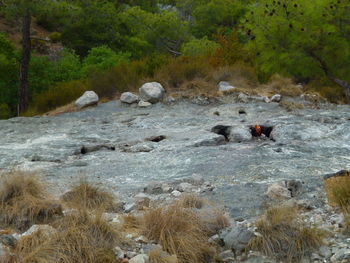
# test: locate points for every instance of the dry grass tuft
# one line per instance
(283, 86)
(284, 236)
(24, 201)
(291, 105)
(192, 201)
(87, 196)
(80, 238)
(179, 231)
(159, 256)
(338, 191)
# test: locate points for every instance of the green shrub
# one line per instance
(56, 96)
(197, 47)
(102, 58)
(55, 37)
(4, 111)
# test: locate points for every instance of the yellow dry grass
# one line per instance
(284, 236)
(159, 256)
(24, 201)
(180, 232)
(80, 237)
(85, 195)
(338, 191)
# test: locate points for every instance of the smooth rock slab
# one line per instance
(89, 98)
(210, 139)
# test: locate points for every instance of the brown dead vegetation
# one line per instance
(283, 235)
(24, 201)
(84, 195)
(80, 237)
(180, 232)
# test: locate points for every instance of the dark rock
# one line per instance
(340, 173)
(224, 130)
(156, 138)
(95, 148)
(153, 188)
(8, 240)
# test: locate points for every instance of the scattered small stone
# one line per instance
(276, 98)
(144, 104)
(142, 258)
(184, 187)
(154, 188)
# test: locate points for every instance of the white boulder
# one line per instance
(89, 98)
(225, 86)
(152, 92)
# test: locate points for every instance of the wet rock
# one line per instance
(210, 140)
(237, 239)
(142, 258)
(240, 134)
(144, 104)
(89, 98)
(152, 92)
(278, 191)
(225, 86)
(276, 98)
(129, 98)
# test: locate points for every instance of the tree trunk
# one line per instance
(341, 83)
(26, 48)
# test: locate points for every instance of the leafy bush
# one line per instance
(56, 96)
(102, 58)
(197, 47)
(55, 37)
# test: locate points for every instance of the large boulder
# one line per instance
(152, 92)
(129, 98)
(240, 134)
(89, 98)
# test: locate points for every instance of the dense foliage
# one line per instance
(308, 41)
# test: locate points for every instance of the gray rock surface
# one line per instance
(129, 98)
(152, 92)
(306, 147)
(240, 134)
(89, 98)
(238, 238)
(276, 98)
